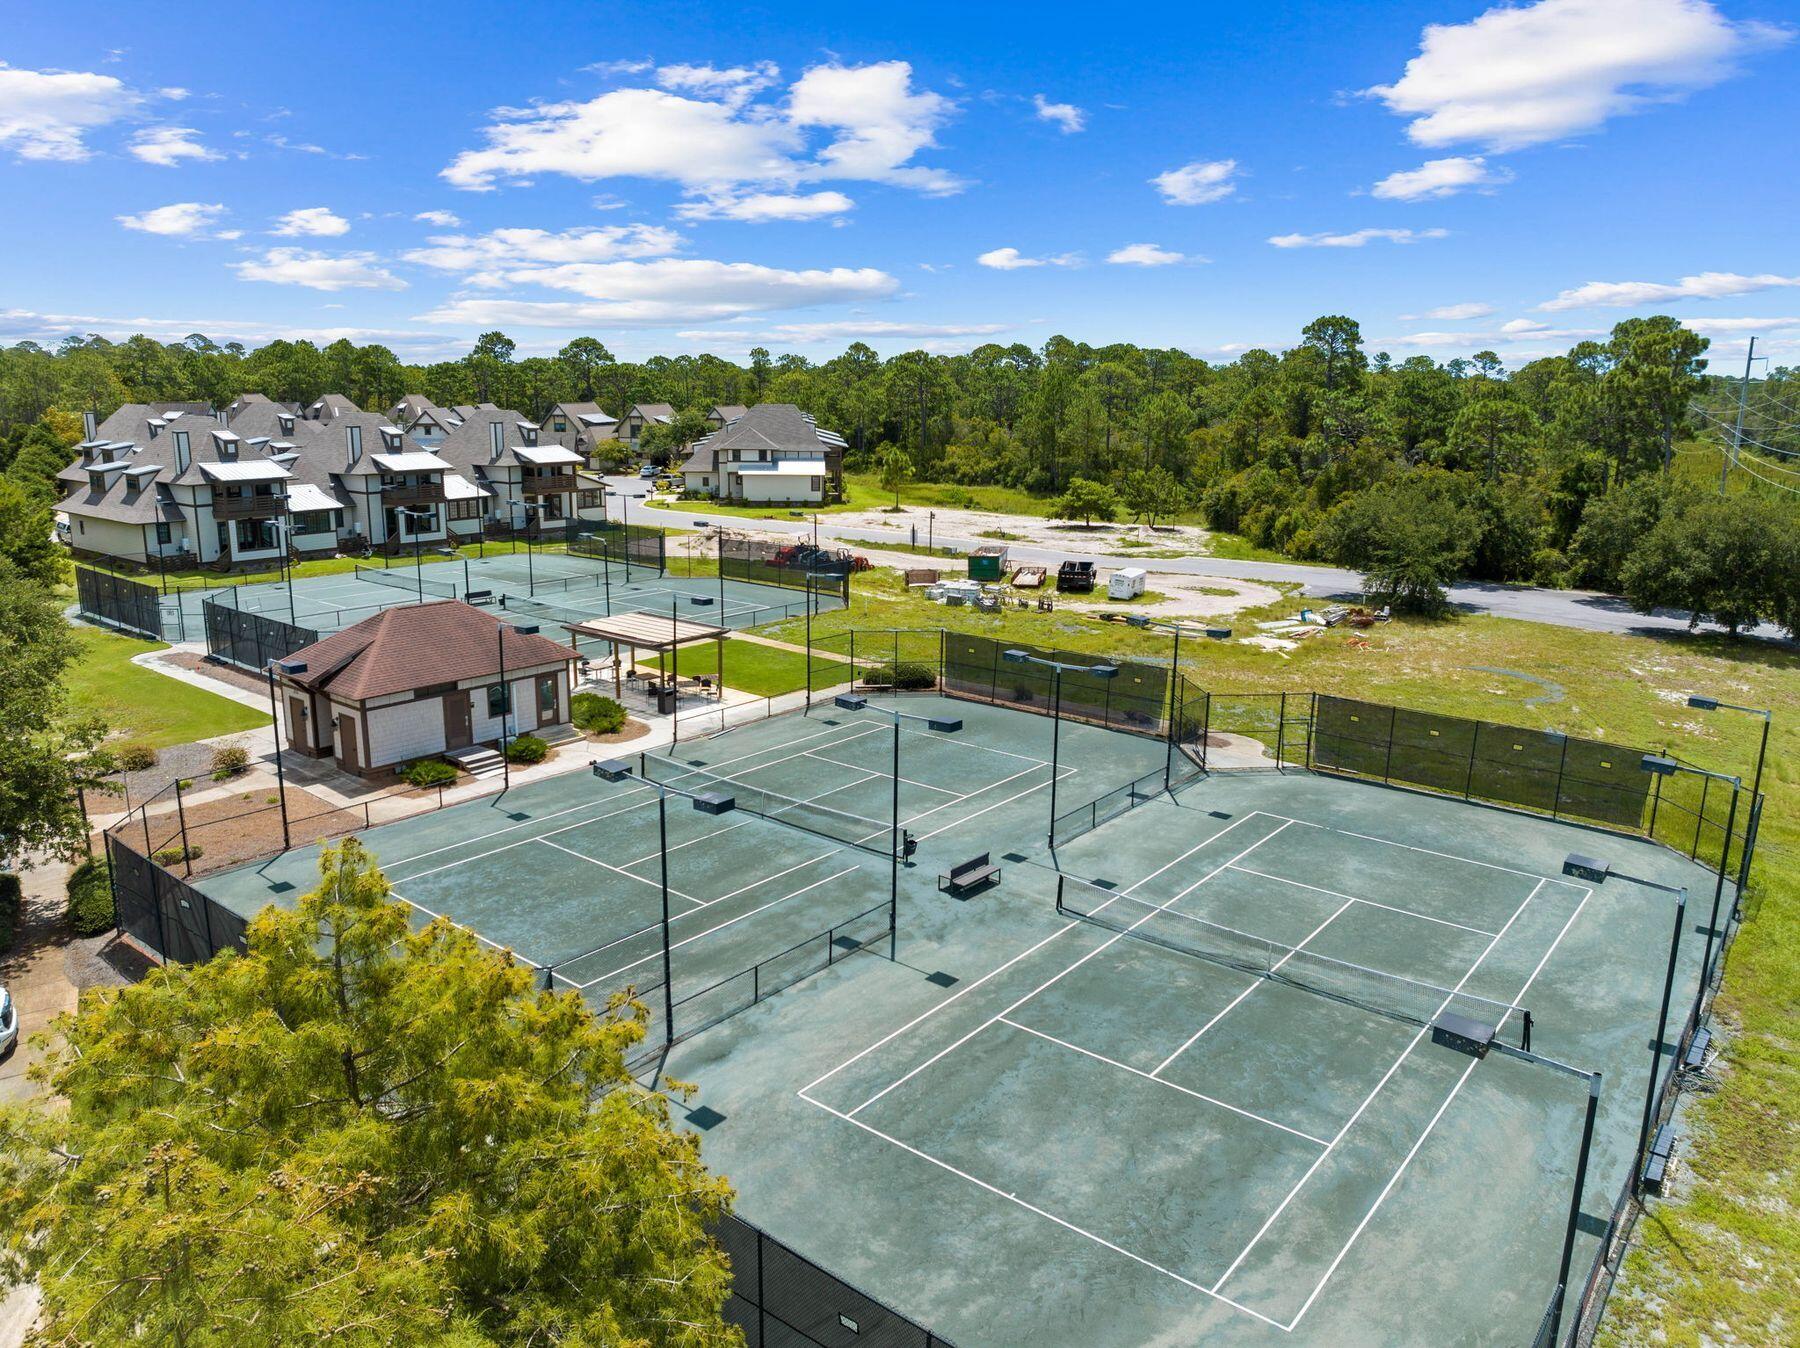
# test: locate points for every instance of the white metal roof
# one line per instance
(304, 496)
(459, 488)
(781, 468)
(249, 470)
(411, 461)
(546, 454)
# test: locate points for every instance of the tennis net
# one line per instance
(1385, 994)
(839, 825)
(407, 578)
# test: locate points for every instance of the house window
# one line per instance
(587, 500)
(559, 425)
(162, 532)
(498, 700)
(817, 484)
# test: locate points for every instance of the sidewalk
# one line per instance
(36, 972)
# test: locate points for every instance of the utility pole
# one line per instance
(1737, 434)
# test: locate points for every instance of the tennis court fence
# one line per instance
(119, 602)
(782, 1299)
(248, 639)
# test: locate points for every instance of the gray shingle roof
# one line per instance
(778, 427)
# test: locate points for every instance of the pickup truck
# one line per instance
(1075, 577)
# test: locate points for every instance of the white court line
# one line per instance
(877, 772)
(619, 870)
(1454, 1090)
(1048, 1216)
(993, 973)
(1111, 940)
(1019, 795)
(410, 903)
(1139, 1072)
(1255, 983)
(1447, 856)
(728, 922)
(1370, 1097)
(590, 804)
(1408, 912)
(690, 912)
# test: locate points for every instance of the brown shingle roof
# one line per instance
(416, 646)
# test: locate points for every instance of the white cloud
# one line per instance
(1441, 178)
(707, 131)
(46, 114)
(1729, 325)
(1068, 118)
(181, 219)
(318, 222)
(25, 324)
(1452, 313)
(1521, 75)
(1144, 255)
(846, 330)
(1011, 259)
(1355, 239)
(660, 292)
(761, 207)
(1708, 285)
(167, 146)
(319, 271)
(513, 247)
(173, 92)
(442, 219)
(1514, 330)
(1197, 183)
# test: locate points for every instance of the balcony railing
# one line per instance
(249, 507)
(550, 484)
(413, 494)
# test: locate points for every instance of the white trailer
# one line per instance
(1126, 583)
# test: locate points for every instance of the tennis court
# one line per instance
(567, 873)
(1201, 1102)
(547, 586)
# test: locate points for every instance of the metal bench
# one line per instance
(967, 876)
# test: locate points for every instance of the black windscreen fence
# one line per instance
(636, 547)
(792, 566)
(781, 1299)
(120, 602)
(165, 914)
(250, 640)
(1540, 770)
(1135, 699)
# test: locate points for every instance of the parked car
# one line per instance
(9, 1022)
(648, 472)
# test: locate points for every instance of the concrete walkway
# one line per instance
(36, 972)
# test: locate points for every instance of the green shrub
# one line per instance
(428, 772)
(175, 856)
(136, 757)
(11, 901)
(228, 761)
(596, 714)
(90, 898)
(906, 674)
(527, 749)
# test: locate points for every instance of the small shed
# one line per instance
(988, 563)
(1126, 583)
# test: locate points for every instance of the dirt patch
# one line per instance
(631, 730)
(206, 668)
(228, 831)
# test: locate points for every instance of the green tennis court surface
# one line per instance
(1198, 1103)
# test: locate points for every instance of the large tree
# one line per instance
(1410, 536)
(363, 1134)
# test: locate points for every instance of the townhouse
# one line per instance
(528, 481)
(773, 454)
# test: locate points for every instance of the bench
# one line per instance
(482, 597)
(1662, 1151)
(968, 876)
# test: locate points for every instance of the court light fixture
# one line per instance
(610, 769)
(944, 725)
(1586, 868)
(1661, 766)
(1703, 703)
(851, 701)
(714, 802)
(1014, 656)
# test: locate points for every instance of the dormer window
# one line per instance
(392, 440)
(353, 438)
(97, 481)
(287, 424)
(496, 440)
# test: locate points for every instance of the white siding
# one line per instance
(109, 536)
(405, 731)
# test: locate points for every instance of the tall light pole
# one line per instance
(1586, 868)
(944, 725)
(525, 509)
(705, 802)
(1700, 703)
(413, 515)
(500, 631)
(811, 595)
(290, 668)
(1665, 767)
(1057, 669)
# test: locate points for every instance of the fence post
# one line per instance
(1281, 731)
(1312, 727)
(1562, 767)
(1474, 747)
(1205, 726)
(181, 822)
(1655, 801)
(1699, 819)
(1387, 761)
(112, 879)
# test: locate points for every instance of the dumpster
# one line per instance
(987, 563)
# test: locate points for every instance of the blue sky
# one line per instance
(706, 176)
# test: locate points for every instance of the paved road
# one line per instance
(1583, 609)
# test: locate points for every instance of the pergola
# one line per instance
(663, 633)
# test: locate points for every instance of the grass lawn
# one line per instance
(1715, 1263)
(751, 667)
(141, 705)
